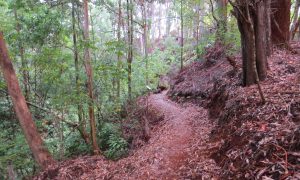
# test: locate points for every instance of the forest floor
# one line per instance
(213, 128)
(180, 138)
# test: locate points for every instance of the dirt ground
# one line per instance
(175, 142)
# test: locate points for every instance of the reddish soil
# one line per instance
(257, 141)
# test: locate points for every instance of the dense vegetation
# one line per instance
(132, 45)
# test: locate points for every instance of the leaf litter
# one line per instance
(216, 130)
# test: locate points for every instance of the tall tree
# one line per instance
(159, 21)
(119, 54)
(168, 18)
(251, 22)
(89, 73)
(268, 31)
(130, 47)
(33, 138)
(260, 29)
(145, 37)
(196, 22)
(181, 38)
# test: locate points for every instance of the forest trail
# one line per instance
(176, 137)
(179, 148)
(179, 139)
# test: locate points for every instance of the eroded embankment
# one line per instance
(256, 140)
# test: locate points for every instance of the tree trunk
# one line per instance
(269, 46)
(168, 20)
(196, 23)
(181, 43)
(296, 19)
(159, 21)
(251, 23)
(248, 52)
(130, 48)
(260, 40)
(61, 138)
(281, 21)
(119, 55)
(33, 138)
(89, 73)
(145, 38)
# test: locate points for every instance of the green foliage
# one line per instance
(206, 41)
(75, 145)
(46, 34)
(112, 142)
(14, 149)
(118, 147)
(232, 37)
(41, 26)
(5, 18)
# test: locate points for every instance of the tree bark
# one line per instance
(119, 55)
(33, 138)
(269, 46)
(159, 21)
(296, 20)
(181, 42)
(260, 40)
(145, 37)
(196, 23)
(281, 22)
(130, 48)
(169, 19)
(89, 73)
(251, 23)
(248, 52)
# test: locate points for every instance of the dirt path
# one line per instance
(172, 143)
(178, 149)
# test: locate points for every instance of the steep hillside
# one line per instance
(257, 140)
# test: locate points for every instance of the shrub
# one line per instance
(112, 142)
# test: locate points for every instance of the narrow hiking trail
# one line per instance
(178, 148)
(185, 128)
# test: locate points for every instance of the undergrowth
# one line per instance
(112, 142)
